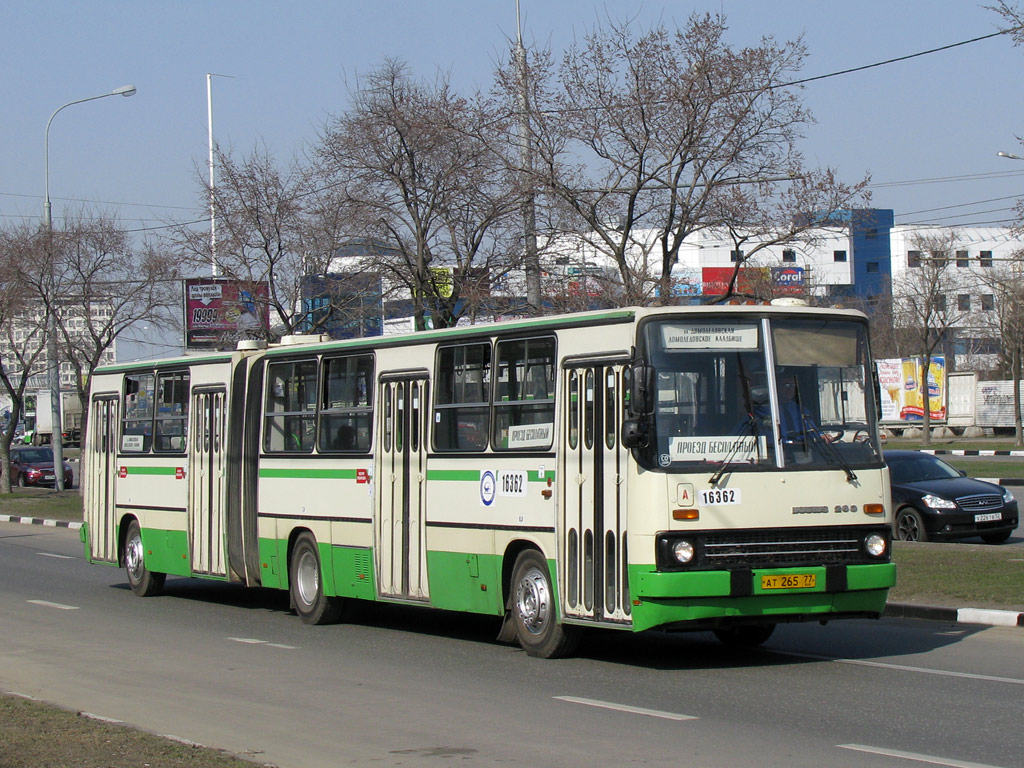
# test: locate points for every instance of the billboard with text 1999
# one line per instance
(221, 312)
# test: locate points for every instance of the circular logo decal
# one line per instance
(664, 459)
(488, 488)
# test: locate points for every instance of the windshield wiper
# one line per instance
(828, 448)
(747, 427)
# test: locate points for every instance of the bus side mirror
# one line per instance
(641, 400)
(878, 394)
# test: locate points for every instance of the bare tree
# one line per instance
(673, 130)
(22, 331)
(425, 172)
(266, 234)
(1006, 283)
(921, 305)
(97, 285)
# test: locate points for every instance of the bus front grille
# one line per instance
(773, 548)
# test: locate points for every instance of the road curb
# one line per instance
(969, 452)
(41, 521)
(983, 616)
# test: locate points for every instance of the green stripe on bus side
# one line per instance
(473, 475)
(136, 470)
(461, 581)
(314, 474)
(166, 551)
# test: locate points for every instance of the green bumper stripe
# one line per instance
(150, 470)
(668, 598)
(315, 474)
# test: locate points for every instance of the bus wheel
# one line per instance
(305, 582)
(749, 636)
(143, 581)
(534, 613)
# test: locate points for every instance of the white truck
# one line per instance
(39, 418)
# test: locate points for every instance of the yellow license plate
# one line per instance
(789, 581)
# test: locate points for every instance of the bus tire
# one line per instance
(534, 613)
(143, 581)
(306, 584)
(744, 636)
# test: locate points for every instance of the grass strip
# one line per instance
(959, 575)
(44, 736)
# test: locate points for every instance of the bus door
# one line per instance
(98, 478)
(592, 477)
(400, 475)
(206, 482)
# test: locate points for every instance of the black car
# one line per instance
(934, 501)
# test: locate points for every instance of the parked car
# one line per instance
(34, 466)
(934, 501)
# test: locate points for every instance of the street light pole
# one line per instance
(53, 362)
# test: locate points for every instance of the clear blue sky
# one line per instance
(939, 116)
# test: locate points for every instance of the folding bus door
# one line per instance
(401, 475)
(206, 482)
(593, 486)
(99, 479)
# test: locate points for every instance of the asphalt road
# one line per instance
(232, 668)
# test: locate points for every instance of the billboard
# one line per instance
(899, 388)
(750, 280)
(219, 313)
(788, 281)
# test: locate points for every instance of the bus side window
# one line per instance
(462, 397)
(346, 404)
(524, 408)
(290, 408)
(137, 424)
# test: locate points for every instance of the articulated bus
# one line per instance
(685, 468)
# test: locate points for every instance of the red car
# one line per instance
(34, 466)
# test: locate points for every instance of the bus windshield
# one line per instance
(760, 393)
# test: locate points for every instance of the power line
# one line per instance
(97, 202)
(946, 179)
(962, 205)
(899, 58)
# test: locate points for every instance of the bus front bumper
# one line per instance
(710, 599)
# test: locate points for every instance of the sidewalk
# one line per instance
(987, 617)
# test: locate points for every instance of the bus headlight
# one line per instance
(683, 551)
(875, 544)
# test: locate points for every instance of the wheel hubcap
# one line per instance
(533, 601)
(133, 558)
(307, 576)
(908, 528)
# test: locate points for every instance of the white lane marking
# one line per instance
(257, 641)
(915, 756)
(625, 708)
(51, 554)
(905, 668)
(48, 604)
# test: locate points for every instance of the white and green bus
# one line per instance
(629, 469)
